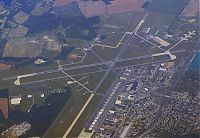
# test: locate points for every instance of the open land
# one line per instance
(192, 9)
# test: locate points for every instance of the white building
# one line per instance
(15, 100)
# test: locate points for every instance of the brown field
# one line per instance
(4, 66)
(4, 107)
(73, 56)
(192, 9)
(99, 8)
(62, 2)
(120, 6)
(89, 8)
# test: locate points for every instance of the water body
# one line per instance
(195, 64)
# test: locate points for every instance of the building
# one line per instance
(161, 41)
(15, 100)
(18, 130)
(4, 102)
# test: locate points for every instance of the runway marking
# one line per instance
(77, 82)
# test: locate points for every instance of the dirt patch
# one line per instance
(99, 8)
(73, 56)
(4, 66)
(92, 8)
(192, 9)
(4, 107)
(120, 6)
(62, 2)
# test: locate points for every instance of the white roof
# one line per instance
(29, 96)
(15, 101)
(118, 102)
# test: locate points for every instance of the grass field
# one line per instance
(90, 58)
(142, 61)
(92, 80)
(92, 105)
(67, 115)
(85, 116)
(107, 83)
(108, 53)
(41, 77)
(78, 54)
(75, 104)
(167, 7)
(115, 26)
(75, 42)
(133, 62)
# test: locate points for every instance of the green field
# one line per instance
(67, 115)
(79, 53)
(141, 61)
(77, 100)
(90, 58)
(107, 82)
(107, 53)
(85, 116)
(115, 26)
(168, 7)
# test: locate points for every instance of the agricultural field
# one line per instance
(192, 9)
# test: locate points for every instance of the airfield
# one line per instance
(134, 39)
